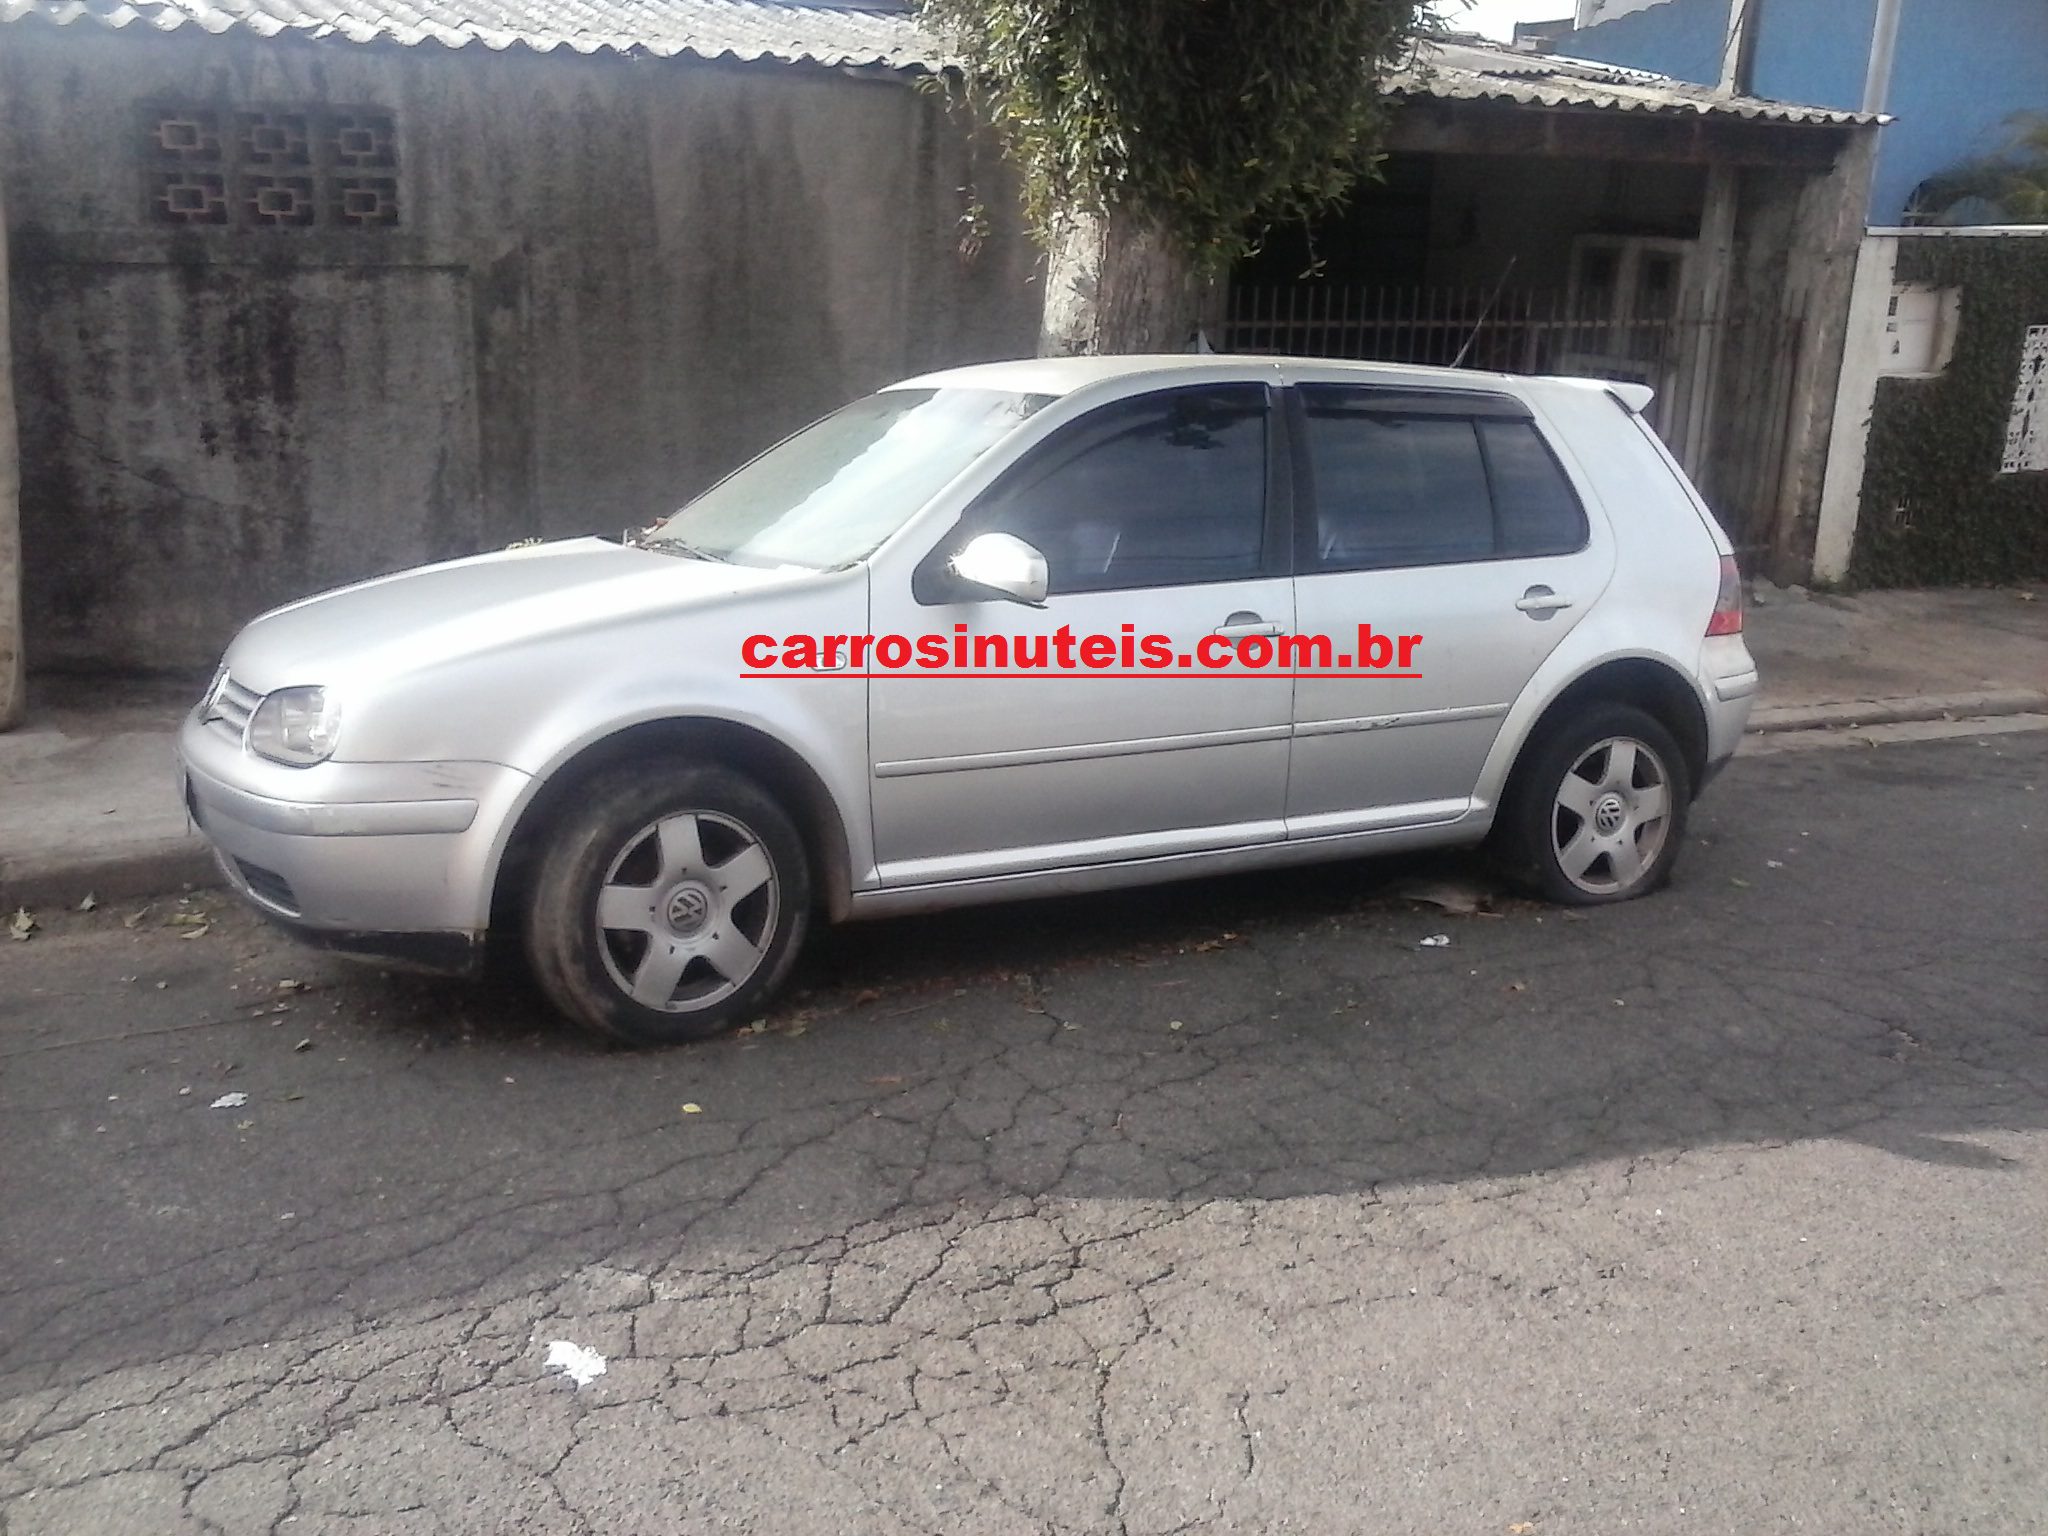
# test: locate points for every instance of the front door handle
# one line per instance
(1245, 622)
(1541, 602)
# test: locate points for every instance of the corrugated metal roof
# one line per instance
(849, 32)
(852, 32)
(1460, 70)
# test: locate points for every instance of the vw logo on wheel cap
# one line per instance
(689, 907)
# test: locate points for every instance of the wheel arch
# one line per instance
(1654, 686)
(776, 766)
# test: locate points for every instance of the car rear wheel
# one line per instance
(669, 905)
(1599, 815)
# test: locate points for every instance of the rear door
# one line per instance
(1443, 517)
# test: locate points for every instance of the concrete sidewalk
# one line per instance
(89, 806)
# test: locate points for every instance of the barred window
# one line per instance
(270, 167)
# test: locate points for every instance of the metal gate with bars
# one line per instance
(1723, 376)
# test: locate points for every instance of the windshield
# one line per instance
(832, 493)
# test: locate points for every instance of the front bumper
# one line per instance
(392, 859)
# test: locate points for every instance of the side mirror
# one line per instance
(1002, 565)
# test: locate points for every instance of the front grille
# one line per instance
(268, 886)
(230, 707)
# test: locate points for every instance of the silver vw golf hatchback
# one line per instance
(1004, 631)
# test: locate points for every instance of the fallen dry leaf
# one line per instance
(135, 917)
(1447, 896)
(89, 903)
(196, 932)
(22, 924)
(693, 1109)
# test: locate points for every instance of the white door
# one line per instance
(1039, 752)
(1444, 520)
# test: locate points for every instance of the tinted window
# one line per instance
(1165, 489)
(1411, 483)
(1537, 510)
(1393, 489)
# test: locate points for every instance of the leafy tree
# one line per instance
(1158, 138)
(2006, 188)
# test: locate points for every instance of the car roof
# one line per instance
(1064, 375)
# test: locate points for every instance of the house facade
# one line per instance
(1960, 68)
(299, 297)
(1542, 214)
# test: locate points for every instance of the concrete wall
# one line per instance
(1797, 237)
(610, 282)
(1962, 67)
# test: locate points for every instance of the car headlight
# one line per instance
(296, 726)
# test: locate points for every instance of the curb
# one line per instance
(127, 874)
(1926, 706)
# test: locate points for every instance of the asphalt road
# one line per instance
(1224, 1208)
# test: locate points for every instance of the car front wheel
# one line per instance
(669, 904)
(1600, 814)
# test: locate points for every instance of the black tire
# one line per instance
(637, 826)
(1535, 824)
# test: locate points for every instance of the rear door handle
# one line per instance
(1541, 601)
(1245, 622)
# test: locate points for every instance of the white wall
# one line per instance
(1590, 11)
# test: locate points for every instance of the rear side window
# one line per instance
(1538, 512)
(1397, 485)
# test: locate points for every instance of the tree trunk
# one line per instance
(1113, 283)
(12, 701)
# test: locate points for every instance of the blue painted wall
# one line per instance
(1961, 68)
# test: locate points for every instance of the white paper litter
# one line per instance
(580, 1365)
(1436, 941)
(229, 1101)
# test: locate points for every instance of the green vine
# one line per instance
(1213, 119)
(1936, 510)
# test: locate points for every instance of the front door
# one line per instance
(1442, 522)
(1060, 742)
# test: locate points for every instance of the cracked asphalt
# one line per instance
(1218, 1208)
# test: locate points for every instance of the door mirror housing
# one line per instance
(1001, 565)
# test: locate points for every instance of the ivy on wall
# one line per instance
(1936, 511)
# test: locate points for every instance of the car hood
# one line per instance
(438, 613)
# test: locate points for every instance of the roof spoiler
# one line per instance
(1632, 397)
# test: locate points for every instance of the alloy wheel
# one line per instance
(687, 911)
(1611, 816)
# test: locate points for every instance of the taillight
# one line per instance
(1727, 619)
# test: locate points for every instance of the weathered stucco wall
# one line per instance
(1796, 239)
(610, 281)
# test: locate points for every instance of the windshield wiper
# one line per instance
(682, 547)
